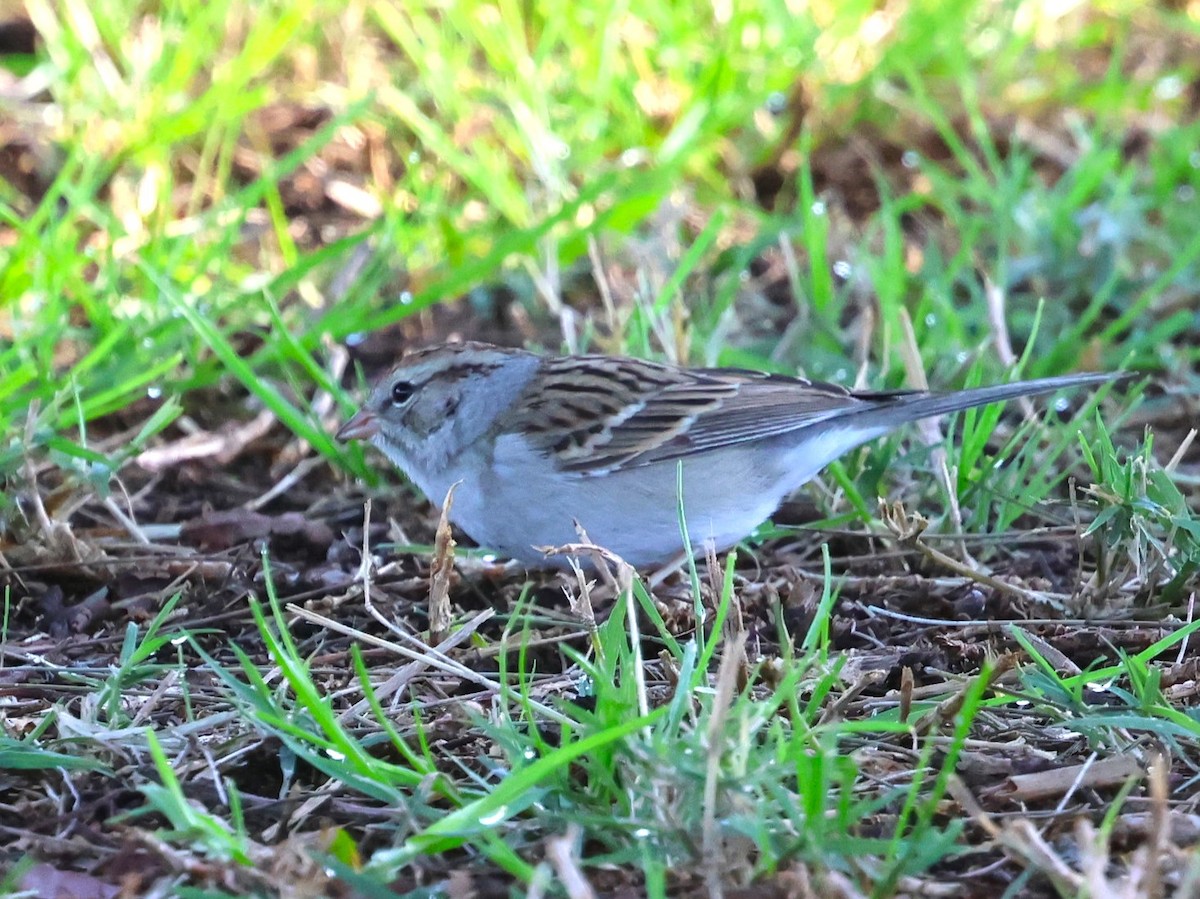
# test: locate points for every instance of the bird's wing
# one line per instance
(597, 414)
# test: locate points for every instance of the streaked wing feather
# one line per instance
(760, 408)
(626, 414)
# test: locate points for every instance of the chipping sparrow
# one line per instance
(538, 443)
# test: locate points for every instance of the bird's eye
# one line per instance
(402, 392)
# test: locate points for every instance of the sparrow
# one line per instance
(542, 445)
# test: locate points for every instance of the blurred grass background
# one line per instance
(780, 184)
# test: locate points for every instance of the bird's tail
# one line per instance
(915, 406)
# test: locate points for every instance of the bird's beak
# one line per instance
(363, 426)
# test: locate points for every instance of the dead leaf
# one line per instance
(222, 530)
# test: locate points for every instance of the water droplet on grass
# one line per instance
(495, 817)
